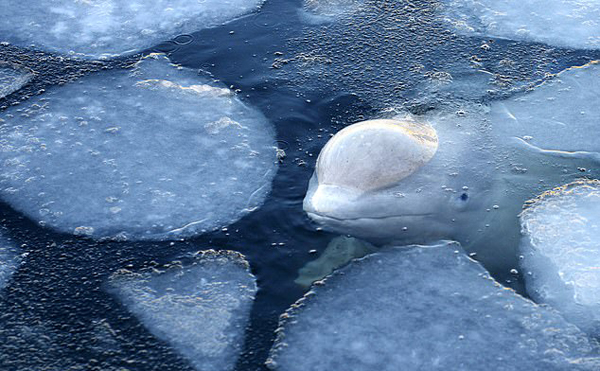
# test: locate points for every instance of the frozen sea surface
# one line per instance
(200, 307)
(424, 308)
(151, 152)
(95, 28)
(561, 251)
(12, 79)
(563, 23)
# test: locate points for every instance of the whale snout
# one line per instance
(328, 204)
(328, 201)
(367, 216)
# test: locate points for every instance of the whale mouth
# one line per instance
(404, 229)
(324, 219)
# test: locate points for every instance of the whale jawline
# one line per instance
(316, 216)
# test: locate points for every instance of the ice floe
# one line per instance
(12, 78)
(564, 23)
(94, 28)
(559, 118)
(561, 251)
(424, 308)
(152, 152)
(199, 305)
(9, 260)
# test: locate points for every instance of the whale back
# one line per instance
(376, 154)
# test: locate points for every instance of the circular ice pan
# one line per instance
(153, 152)
(105, 28)
(563, 23)
(561, 251)
(424, 308)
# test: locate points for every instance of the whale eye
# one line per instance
(460, 201)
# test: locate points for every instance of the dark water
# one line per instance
(364, 64)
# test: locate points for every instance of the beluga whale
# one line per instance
(461, 172)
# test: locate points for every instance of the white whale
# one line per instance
(461, 174)
(390, 181)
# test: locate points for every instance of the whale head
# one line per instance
(391, 180)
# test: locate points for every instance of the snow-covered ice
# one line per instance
(9, 260)
(153, 152)
(563, 23)
(561, 251)
(200, 307)
(95, 28)
(12, 79)
(424, 308)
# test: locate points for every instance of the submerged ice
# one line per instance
(329, 9)
(9, 260)
(12, 79)
(339, 252)
(110, 27)
(564, 23)
(561, 251)
(558, 118)
(201, 308)
(424, 308)
(151, 152)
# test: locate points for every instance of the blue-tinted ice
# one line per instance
(200, 308)
(561, 251)
(152, 152)
(424, 308)
(95, 28)
(564, 23)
